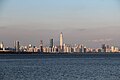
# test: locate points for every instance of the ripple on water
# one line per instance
(60, 69)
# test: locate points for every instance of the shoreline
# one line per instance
(37, 55)
(12, 52)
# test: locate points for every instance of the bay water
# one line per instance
(60, 69)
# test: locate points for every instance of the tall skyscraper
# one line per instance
(1, 45)
(51, 43)
(61, 41)
(17, 46)
(41, 46)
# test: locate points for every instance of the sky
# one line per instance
(88, 22)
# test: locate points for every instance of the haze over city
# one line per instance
(89, 22)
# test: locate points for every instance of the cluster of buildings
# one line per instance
(61, 48)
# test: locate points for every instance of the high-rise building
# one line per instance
(2, 45)
(51, 43)
(41, 46)
(61, 41)
(85, 49)
(17, 46)
(104, 48)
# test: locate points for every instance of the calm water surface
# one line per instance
(60, 69)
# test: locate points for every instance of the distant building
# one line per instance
(99, 50)
(104, 48)
(81, 49)
(51, 43)
(67, 48)
(55, 49)
(1, 45)
(41, 46)
(30, 46)
(17, 46)
(76, 48)
(85, 49)
(61, 42)
(114, 49)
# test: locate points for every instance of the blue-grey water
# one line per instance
(60, 69)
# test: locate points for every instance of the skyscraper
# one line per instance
(1, 45)
(41, 46)
(51, 43)
(104, 47)
(17, 46)
(61, 41)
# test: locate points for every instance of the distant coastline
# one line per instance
(13, 52)
(36, 55)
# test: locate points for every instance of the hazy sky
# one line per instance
(91, 22)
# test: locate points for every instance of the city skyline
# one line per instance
(51, 43)
(89, 22)
(62, 47)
